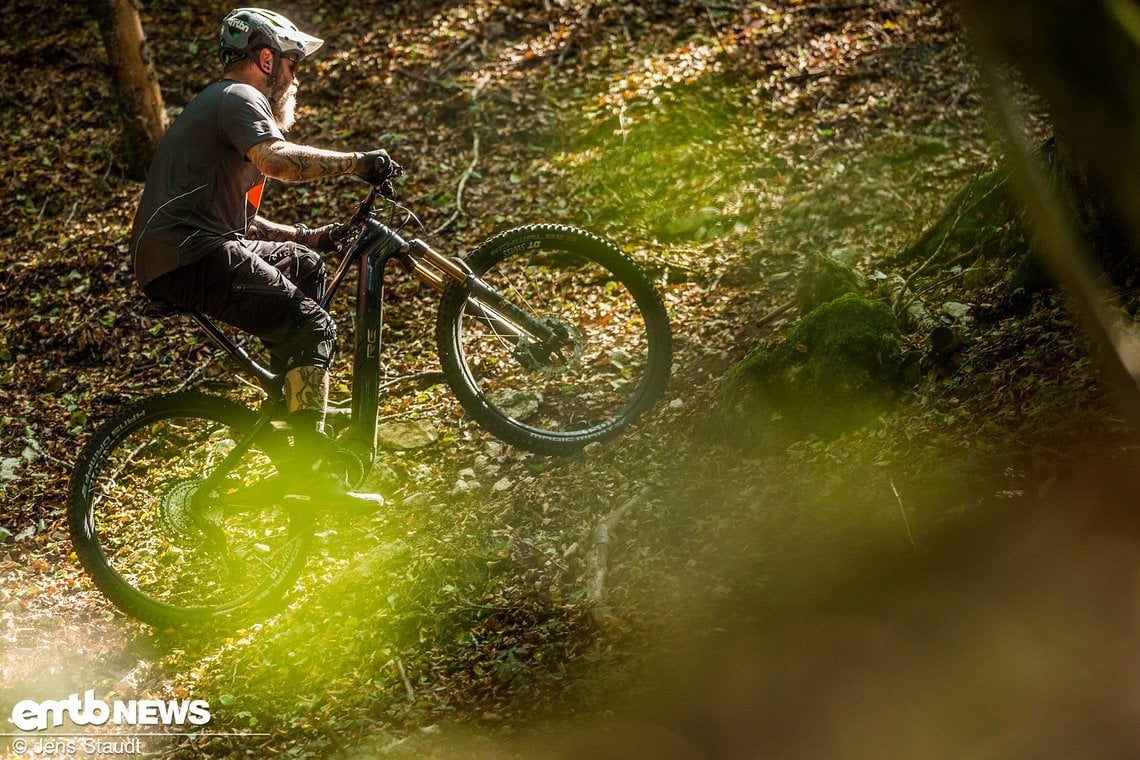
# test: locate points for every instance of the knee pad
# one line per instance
(313, 341)
(310, 274)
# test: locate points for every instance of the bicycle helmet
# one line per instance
(247, 29)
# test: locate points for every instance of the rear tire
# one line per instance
(615, 354)
(160, 551)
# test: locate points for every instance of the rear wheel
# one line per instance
(600, 355)
(162, 545)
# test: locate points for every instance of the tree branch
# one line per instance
(462, 184)
(597, 561)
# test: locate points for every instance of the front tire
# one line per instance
(158, 547)
(611, 359)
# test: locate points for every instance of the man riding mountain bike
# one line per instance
(198, 242)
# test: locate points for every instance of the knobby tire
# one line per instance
(154, 555)
(617, 354)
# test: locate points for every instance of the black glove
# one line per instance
(325, 239)
(376, 167)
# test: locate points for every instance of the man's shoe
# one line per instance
(325, 492)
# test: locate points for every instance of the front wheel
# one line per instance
(567, 344)
(163, 545)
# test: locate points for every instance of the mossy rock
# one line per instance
(837, 368)
(823, 279)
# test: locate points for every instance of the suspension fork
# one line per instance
(483, 301)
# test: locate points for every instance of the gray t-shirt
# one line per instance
(200, 188)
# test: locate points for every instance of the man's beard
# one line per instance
(283, 98)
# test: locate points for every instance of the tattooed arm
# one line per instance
(291, 162)
(325, 239)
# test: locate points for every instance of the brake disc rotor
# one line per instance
(553, 363)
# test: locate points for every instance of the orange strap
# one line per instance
(254, 195)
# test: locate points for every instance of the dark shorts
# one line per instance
(270, 290)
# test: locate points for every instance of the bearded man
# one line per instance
(198, 242)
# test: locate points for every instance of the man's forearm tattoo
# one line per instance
(297, 163)
(263, 229)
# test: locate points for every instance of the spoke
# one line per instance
(167, 537)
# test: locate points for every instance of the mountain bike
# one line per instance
(549, 336)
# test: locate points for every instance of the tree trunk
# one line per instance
(1081, 58)
(136, 86)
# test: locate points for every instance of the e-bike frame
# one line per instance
(376, 246)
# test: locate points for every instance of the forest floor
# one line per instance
(956, 577)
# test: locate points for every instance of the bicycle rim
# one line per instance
(610, 362)
(157, 545)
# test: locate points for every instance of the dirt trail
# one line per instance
(58, 636)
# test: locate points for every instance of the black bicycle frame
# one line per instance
(375, 247)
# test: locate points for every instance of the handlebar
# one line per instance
(367, 208)
(385, 189)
